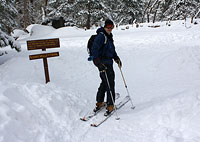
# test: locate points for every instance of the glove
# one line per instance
(99, 65)
(118, 61)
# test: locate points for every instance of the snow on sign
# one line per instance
(44, 44)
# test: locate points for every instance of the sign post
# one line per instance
(46, 70)
(43, 44)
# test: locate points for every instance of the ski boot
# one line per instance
(99, 105)
(109, 109)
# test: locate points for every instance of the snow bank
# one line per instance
(19, 33)
(40, 30)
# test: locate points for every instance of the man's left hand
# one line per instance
(118, 61)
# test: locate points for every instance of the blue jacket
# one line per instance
(105, 52)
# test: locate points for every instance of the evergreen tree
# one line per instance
(181, 9)
(7, 15)
(6, 40)
(29, 12)
(85, 13)
(7, 22)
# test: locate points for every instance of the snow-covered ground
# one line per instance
(161, 67)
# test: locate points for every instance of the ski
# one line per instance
(88, 116)
(118, 106)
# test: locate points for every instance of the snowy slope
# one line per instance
(162, 70)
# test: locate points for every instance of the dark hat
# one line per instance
(108, 22)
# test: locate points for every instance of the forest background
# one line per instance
(18, 14)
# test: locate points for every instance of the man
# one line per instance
(103, 51)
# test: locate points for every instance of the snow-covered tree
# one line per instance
(181, 9)
(85, 13)
(7, 15)
(7, 22)
(29, 12)
(6, 40)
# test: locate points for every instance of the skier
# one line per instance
(103, 51)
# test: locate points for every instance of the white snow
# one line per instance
(18, 33)
(161, 67)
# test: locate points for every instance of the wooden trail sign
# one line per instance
(46, 55)
(43, 44)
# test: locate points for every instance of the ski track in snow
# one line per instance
(162, 70)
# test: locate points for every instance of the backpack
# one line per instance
(90, 44)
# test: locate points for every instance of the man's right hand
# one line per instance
(101, 67)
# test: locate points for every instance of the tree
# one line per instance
(7, 22)
(29, 12)
(7, 15)
(156, 10)
(151, 9)
(147, 6)
(6, 40)
(180, 9)
(85, 13)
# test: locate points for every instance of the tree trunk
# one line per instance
(46, 2)
(148, 19)
(89, 16)
(44, 11)
(9, 29)
(145, 11)
(154, 18)
(25, 14)
(192, 19)
(88, 21)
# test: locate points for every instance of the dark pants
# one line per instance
(104, 85)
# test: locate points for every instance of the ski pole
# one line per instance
(111, 96)
(126, 87)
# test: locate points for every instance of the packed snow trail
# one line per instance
(162, 70)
